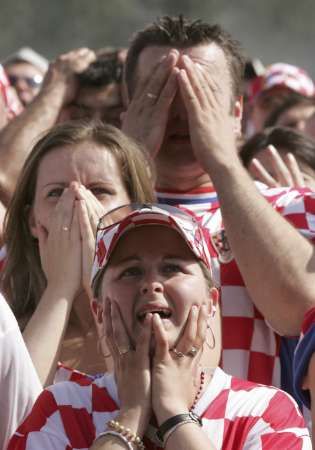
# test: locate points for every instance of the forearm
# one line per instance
(276, 262)
(189, 436)
(18, 137)
(44, 333)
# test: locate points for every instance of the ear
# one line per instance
(97, 311)
(238, 114)
(31, 221)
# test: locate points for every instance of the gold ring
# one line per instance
(123, 351)
(150, 95)
(192, 352)
(177, 353)
(65, 228)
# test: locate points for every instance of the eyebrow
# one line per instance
(137, 259)
(60, 183)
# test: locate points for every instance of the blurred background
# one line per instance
(273, 30)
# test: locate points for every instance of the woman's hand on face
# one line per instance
(176, 379)
(90, 211)
(60, 248)
(285, 172)
(131, 366)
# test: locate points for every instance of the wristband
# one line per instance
(171, 424)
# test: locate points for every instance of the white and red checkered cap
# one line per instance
(195, 236)
(282, 75)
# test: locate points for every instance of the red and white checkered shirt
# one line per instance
(235, 414)
(250, 348)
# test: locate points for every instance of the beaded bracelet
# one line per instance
(118, 435)
(131, 437)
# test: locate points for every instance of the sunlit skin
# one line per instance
(152, 269)
(307, 172)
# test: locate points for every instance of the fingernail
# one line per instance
(186, 59)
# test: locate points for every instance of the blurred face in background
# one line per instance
(26, 79)
(103, 103)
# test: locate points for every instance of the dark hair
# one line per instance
(285, 140)
(106, 69)
(180, 32)
(293, 99)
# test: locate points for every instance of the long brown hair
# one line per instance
(23, 280)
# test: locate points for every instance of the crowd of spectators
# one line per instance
(157, 267)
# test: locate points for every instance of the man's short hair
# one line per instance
(106, 69)
(180, 32)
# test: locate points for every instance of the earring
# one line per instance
(212, 346)
(99, 347)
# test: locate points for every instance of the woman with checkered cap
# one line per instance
(155, 300)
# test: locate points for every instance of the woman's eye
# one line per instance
(56, 192)
(130, 272)
(98, 191)
(171, 268)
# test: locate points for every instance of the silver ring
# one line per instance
(65, 228)
(192, 352)
(177, 353)
(150, 95)
(123, 351)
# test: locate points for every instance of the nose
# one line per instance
(151, 284)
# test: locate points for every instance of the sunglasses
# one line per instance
(31, 82)
(116, 215)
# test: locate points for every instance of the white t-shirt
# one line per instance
(19, 383)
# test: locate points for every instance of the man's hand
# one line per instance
(62, 72)
(210, 121)
(147, 114)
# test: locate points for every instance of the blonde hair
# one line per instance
(23, 280)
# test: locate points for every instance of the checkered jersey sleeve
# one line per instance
(295, 205)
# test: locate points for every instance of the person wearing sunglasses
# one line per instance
(26, 70)
(155, 299)
(74, 174)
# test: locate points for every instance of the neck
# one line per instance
(182, 183)
(81, 312)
